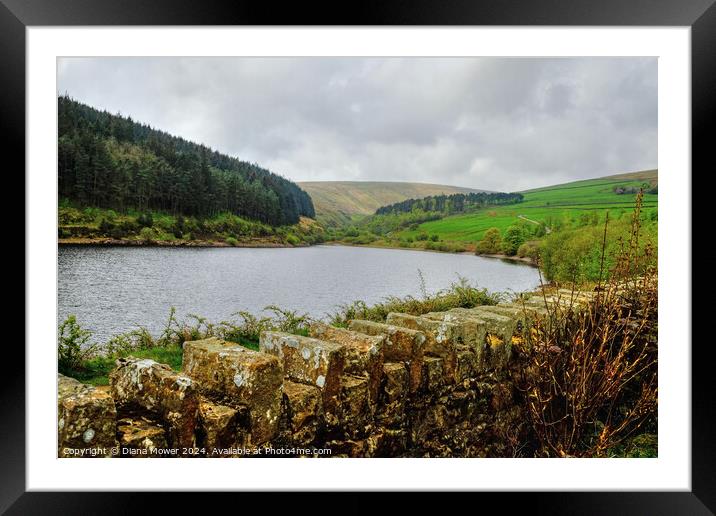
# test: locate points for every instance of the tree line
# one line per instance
(111, 161)
(451, 204)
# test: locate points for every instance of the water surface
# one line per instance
(113, 289)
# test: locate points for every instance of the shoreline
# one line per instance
(113, 242)
(525, 261)
(258, 244)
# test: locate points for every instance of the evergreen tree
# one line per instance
(111, 161)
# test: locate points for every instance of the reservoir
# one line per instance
(115, 289)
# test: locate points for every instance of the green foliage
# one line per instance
(231, 241)
(145, 220)
(110, 161)
(91, 363)
(73, 346)
(451, 204)
(292, 239)
(459, 295)
(106, 227)
(363, 238)
(576, 255)
(491, 243)
(514, 238)
(167, 227)
(147, 234)
(445, 247)
(642, 446)
(530, 249)
(590, 374)
(94, 371)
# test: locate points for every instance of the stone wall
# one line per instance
(436, 385)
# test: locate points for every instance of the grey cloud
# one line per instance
(496, 123)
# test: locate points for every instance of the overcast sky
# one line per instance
(493, 123)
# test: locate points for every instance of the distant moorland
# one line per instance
(339, 203)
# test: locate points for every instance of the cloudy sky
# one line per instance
(494, 123)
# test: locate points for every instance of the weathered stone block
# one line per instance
(473, 330)
(303, 410)
(521, 317)
(232, 375)
(348, 448)
(145, 385)
(363, 353)
(395, 382)
(401, 344)
(221, 428)
(433, 374)
(355, 408)
(533, 312)
(141, 437)
(468, 365)
(305, 359)
(394, 390)
(427, 423)
(443, 338)
(86, 420)
(500, 329)
(386, 443)
(497, 324)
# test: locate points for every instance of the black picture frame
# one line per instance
(700, 15)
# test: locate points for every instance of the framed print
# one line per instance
(414, 250)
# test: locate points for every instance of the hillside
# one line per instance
(340, 202)
(549, 205)
(112, 162)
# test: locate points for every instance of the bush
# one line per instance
(514, 237)
(106, 227)
(529, 250)
(73, 346)
(118, 232)
(67, 215)
(147, 234)
(421, 236)
(491, 242)
(364, 239)
(590, 377)
(577, 255)
(231, 241)
(292, 239)
(434, 238)
(459, 295)
(145, 220)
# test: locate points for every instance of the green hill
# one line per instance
(341, 202)
(112, 162)
(549, 205)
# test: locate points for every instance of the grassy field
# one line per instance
(549, 205)
(344, 202)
